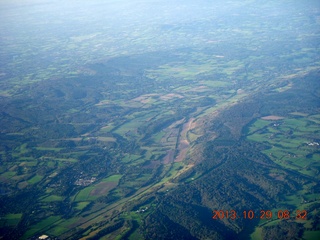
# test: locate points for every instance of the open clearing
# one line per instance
(272, 118)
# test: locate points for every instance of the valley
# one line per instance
(141, 129)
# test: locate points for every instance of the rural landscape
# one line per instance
(160, 119)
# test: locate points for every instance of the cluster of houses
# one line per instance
(43, 237)
(142, 210)
(85, 181)
(313, 143)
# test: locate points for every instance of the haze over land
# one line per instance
(142, 119)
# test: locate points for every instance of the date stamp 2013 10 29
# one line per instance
(262, 214)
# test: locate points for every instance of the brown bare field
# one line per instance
(240, 91)
(152, 164)
(184, 144)
(22, 185)
(169, 157)
(106, 139)
(272, 117)
(73, 139)
(170, 96)
(277, 177)
(183, 149)
(201, 88)
(103, 188)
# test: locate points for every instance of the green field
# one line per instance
(52, 198)
(11, 219)
(113, 178)
(35, 179)
(84, 195)
(41, 226)
(81, 205)
(96, 190)
(311, 235)
(290, 142)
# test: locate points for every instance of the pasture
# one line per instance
(290, 140)
(96, 190)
